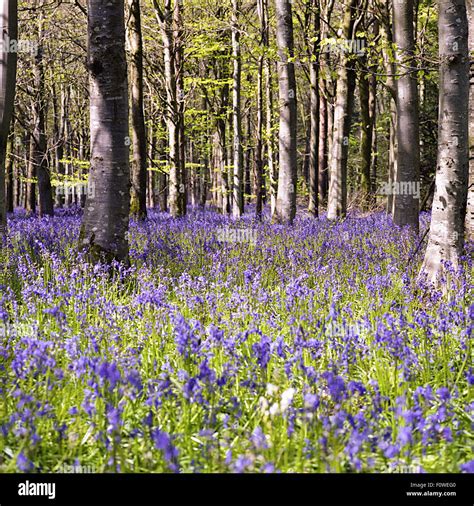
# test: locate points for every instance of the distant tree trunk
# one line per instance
(106, 214)
(178, 45)
(407, 176)
(9, 172)
(286, 198)
(151, 176)
(446, 237)
(30, 193)
(40, 157)
(139, 165)
(269, 135)
(323, 148)
(166, 22)
(470, 198)
(337, 205)
(8, 64)
(366, 133)
(237, 200)
(59, 112)
(373, 119)
(259, 164)
(314, 117)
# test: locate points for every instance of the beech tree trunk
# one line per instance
(39, 154)
(106, 214)
(237, 190)
(470, 194)
(406, 199)
(286, 198)
(337, 205)
(446, 237)
(139, 164)
(8, 64)
(165, 18)
(314, 117)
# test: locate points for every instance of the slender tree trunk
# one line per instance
(314, 117)
(9, 172)
(286, 198)
(269, 135)
(30, 194)
(151, 175)
(446, 237)
(337, 205)
(366, 133)
(407, 177)
(59, 111)
(106, 215)
(178, 41)
(166, 22)
(470, 198)
(323, 180)
(237, 200)
(139, 164)
(40, 157)
(8, 64)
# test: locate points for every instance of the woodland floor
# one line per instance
(310, 348)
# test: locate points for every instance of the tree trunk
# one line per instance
(286, 197)
(446, 238)
(272, 166)
(178, 37)
(259, 164)
(323, 149)
(237, 192)
(366, 133)
(106, 215)
(166, 23)
(470, 197)
(337, 205)
(314, 117)
(40, 156)
(30, 193)
(139, 164)
(8, 64)
(406, 190)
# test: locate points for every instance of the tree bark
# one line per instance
(286, 197)
(406, 199)
(446, 237)
(106, 215)
(8, 65)
(337, 205)
(165, 18)
(314, 116)
(40, 156)
(237, 209)
(470, 195)
(139, 164)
